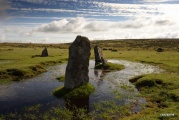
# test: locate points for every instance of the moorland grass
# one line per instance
(138, 44)
(168, 60)
(54, 113)
(161, 92)
(20, 58)
(19, 63)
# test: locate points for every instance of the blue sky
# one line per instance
(60, 21)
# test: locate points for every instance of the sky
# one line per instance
(60, 21)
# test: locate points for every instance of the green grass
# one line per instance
(54, 113)
(19, 64)
(109, 110)
(21, 57)
(34, 108)
(162, 94)
(109, 66)
(168, 60)
(138, 44)
(80, 92)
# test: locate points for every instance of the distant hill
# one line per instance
(168, 44)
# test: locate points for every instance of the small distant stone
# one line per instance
(160, 49)
(44, 53)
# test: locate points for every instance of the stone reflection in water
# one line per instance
(78, 103)
(96, 73)
(99, 74)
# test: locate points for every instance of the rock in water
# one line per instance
(78, 62)
(99, 57)
(44, 52)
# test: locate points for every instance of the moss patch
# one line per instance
(109, 66)
(80, 92)
(61, 78)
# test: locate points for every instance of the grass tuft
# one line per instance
(80, 92)
(109, 66)
(61, 78)
(161, 92)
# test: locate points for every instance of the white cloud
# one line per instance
(64, 26)
(2, 38)
(45, 9)
(81, 25)
(21, 31)
(139, 27)
(127, 9)
(37, 1)
(158, 1)
(104, 9)
(46, 2)
(142, 10)
(113, 9)
(45, 40)
(142, 21)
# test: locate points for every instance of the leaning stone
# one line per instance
(44, 53)
(99, 57)
(97, 54)
(78, 62)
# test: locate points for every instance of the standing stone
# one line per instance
(78, 62)
(44, 52)
(99, 57)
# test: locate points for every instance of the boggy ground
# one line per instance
(160, 90)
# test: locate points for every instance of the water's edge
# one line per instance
(38, 90)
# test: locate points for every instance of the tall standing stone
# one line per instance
(44, 52)
(99, 57)
(78, 62)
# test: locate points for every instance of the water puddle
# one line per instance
(38, 90)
